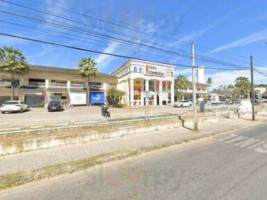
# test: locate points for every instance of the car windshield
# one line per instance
(54, 102)
(11, 103)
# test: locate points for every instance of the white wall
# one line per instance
(200, 74)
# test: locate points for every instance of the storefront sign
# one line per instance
(154, 70)
(97, 98)
(137, 82)
(78, 98)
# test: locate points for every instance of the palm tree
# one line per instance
(210, 81)
(13, 62)
(181, 83)
(87, 69)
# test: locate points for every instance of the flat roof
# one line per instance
(62, 70)
(142, 61)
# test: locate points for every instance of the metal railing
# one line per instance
(58, 84)
(77, 85)
(36, 84)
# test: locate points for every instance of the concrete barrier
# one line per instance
(51, 142)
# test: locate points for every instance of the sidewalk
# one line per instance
(42, 158)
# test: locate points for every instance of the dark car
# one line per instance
(54, 106)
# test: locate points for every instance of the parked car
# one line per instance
(55, 106)
(182, 104)
(14, 106)
(212, 102)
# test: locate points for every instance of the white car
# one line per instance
(183, 104)
(13, 106)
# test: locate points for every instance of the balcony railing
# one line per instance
(5, 84)
(37, 84)
(77, 85)
(58, 84)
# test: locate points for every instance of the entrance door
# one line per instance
(34, 101)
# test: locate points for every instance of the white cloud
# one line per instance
(255, 37)
(229, 77)
(104, 60)
(46, 50)
(202, 31)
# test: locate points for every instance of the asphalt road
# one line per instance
(231, 166)
(41, 117)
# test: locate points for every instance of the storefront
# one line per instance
(146, 83)
(77, 97)
(97, 94)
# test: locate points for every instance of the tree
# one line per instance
(114, 96)
(87, 69)
(181, 83)
(13, 62)
(242, 87)
(230, 87)
(209, 81)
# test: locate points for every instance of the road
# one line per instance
(40, 116)
(230, 166)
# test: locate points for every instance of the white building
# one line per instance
(259, 91)
(201, 85)
(146, 83)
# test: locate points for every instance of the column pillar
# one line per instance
(142, 93)
(46, 93)
(128, 93)
(160, 93)
(166, 86)
(155, 93)
(132, 91)
(172, 92)
(68, 89)
(147, 91)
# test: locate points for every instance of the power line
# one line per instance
(47, 33)
(121, 40)
(99, 52)
(260, 72)
(166, 38)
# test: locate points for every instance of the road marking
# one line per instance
(236, 139)
(257, 145)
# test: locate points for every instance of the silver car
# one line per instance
(13, 106)
(183, 104)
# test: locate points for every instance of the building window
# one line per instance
(140, 70)
(135, 69)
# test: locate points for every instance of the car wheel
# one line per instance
(2, 112)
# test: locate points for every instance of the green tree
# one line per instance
(230, 86)
(13, 62)
(181, 83)
(242, 87)
(87, 69)
(114, 96)
(209, 81)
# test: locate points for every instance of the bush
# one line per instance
(118, 106)
(114, 96)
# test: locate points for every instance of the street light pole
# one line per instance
(194, 86)
(252, 88)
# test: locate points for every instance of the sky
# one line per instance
(225, 33)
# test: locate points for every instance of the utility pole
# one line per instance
(252, 88)
(194, 86)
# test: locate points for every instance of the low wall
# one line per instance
(51, 142)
